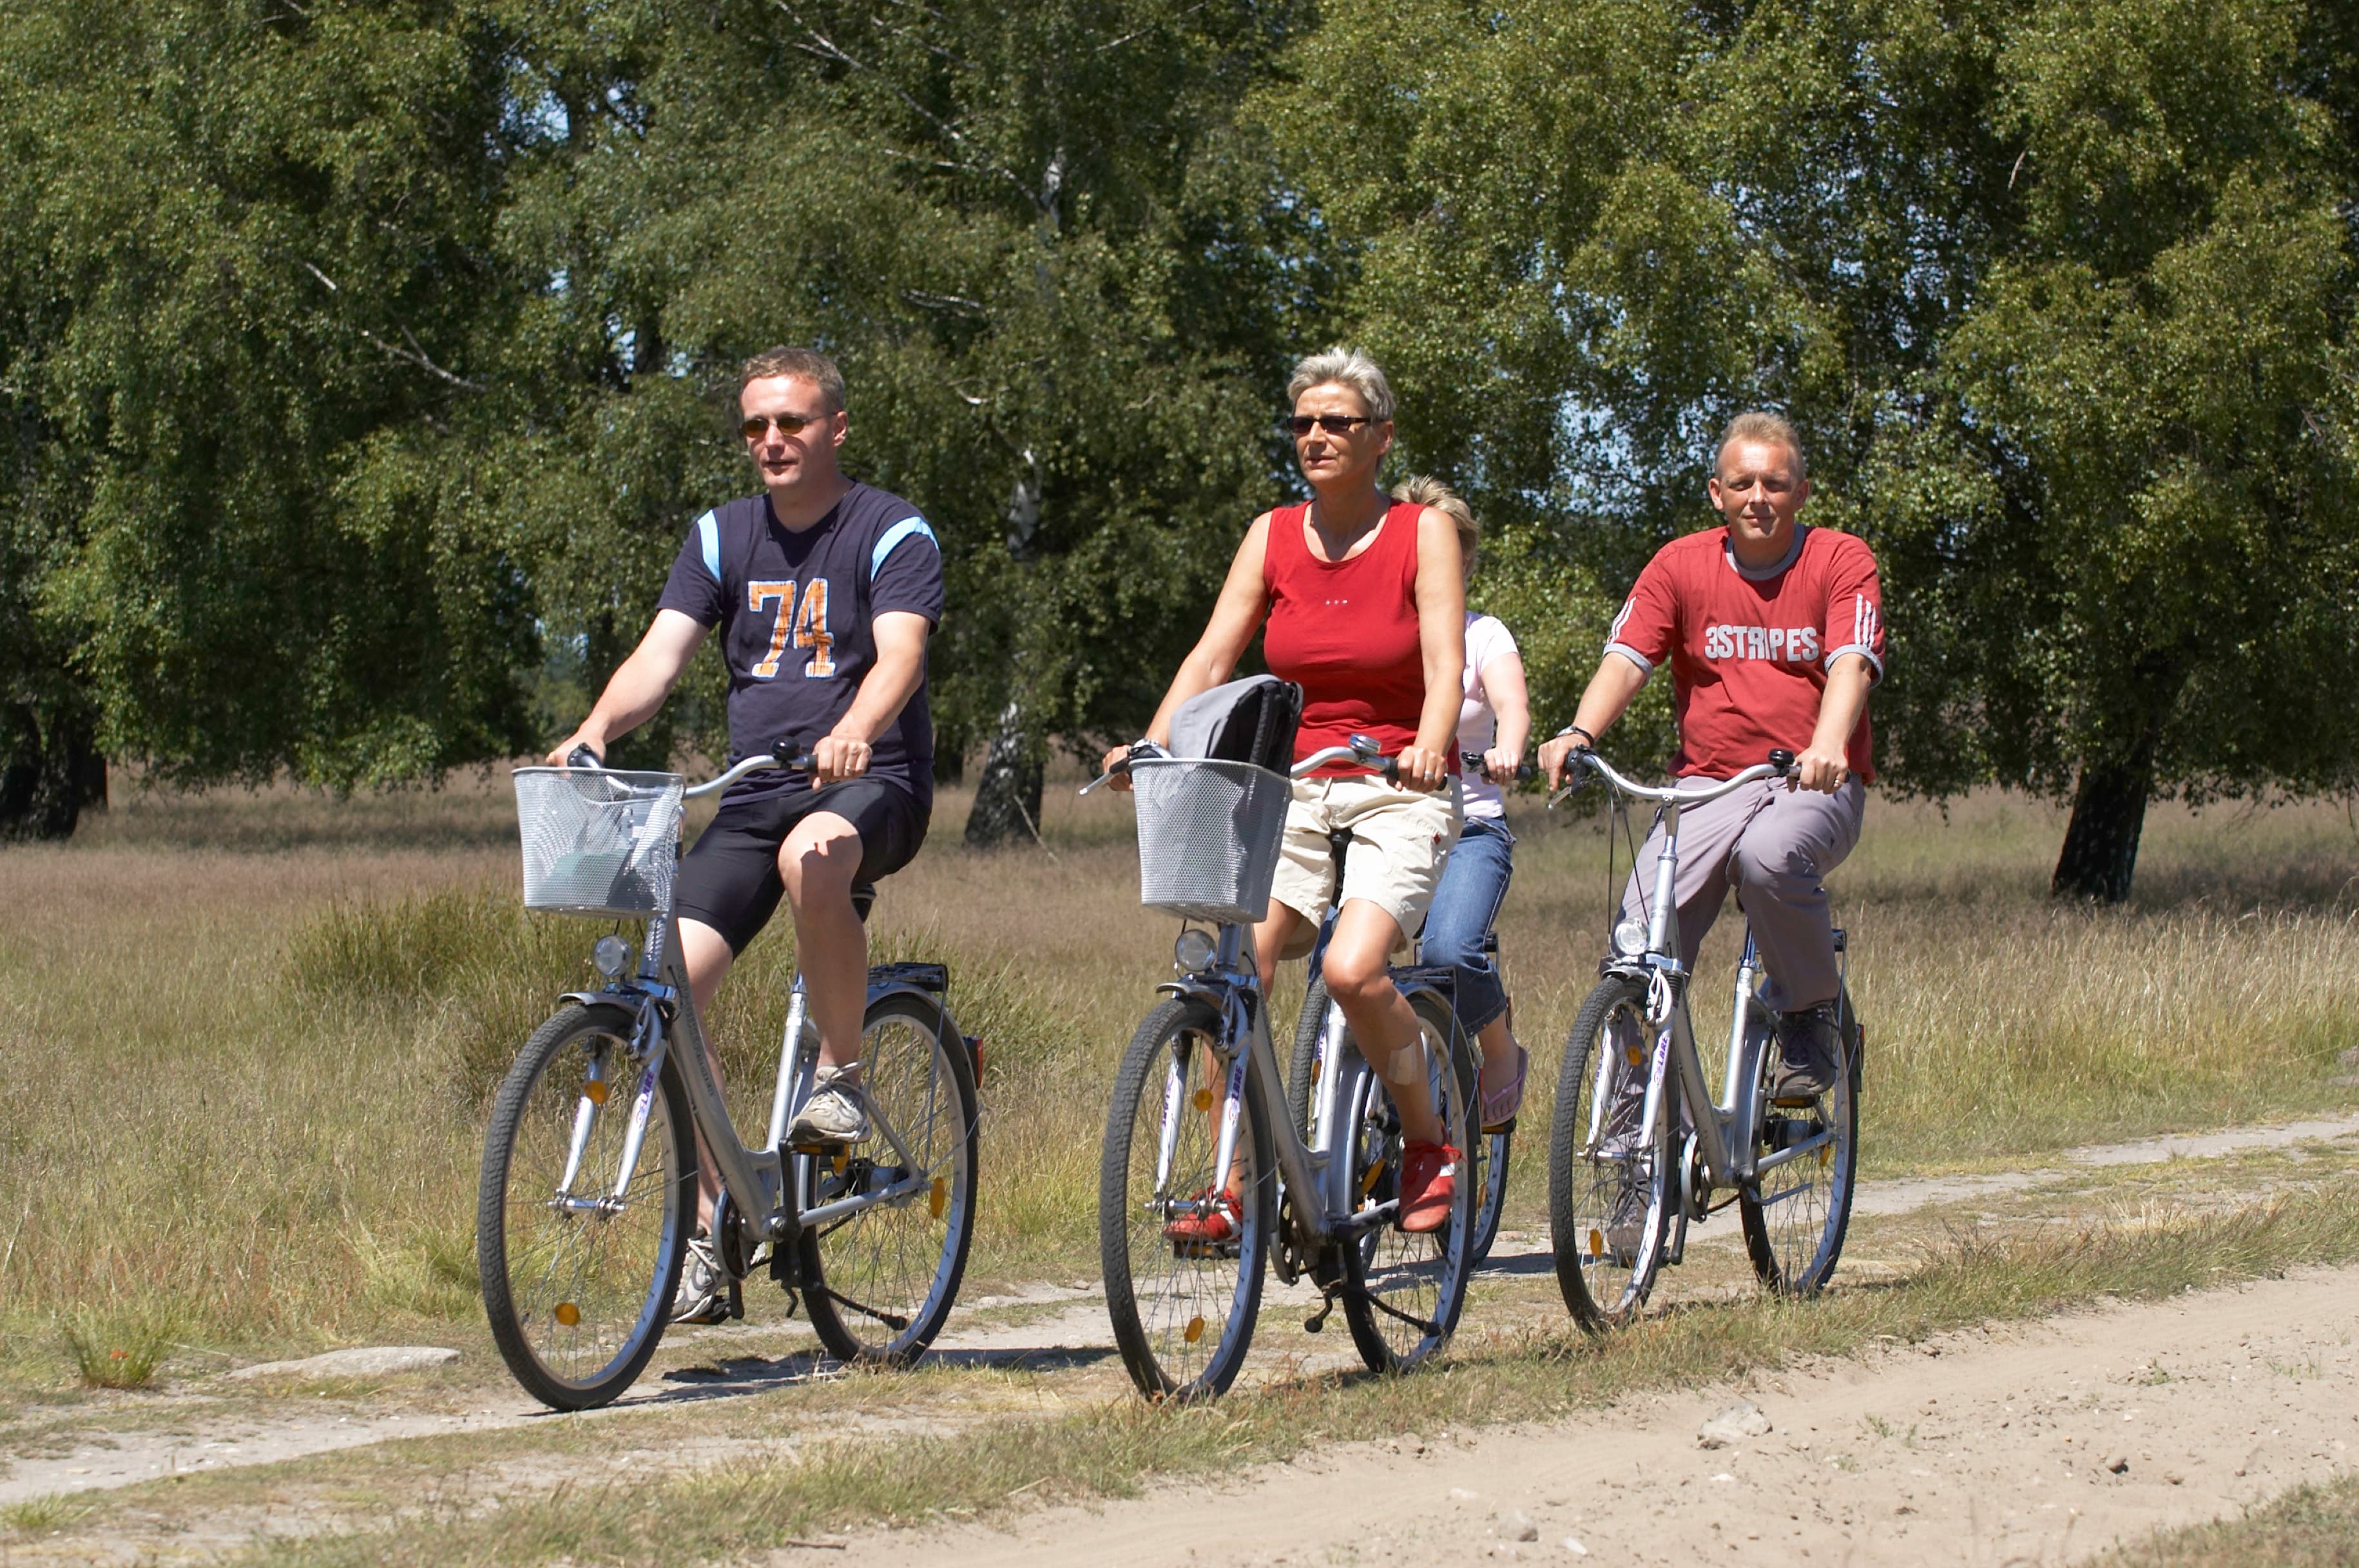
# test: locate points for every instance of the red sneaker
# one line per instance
(1210, 1226)
(1428, 1186)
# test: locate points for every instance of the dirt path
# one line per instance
(1979, 1448)
(199, 1428)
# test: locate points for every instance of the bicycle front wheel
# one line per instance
(1609, 1170)
(1491, 1155)
(578, 1257)
(1408, 1288)
(880, 1281)
(1182, 1300)
(1797, 1210)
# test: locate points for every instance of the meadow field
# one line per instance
(251, 1033)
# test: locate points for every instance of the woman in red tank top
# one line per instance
(1365, 604)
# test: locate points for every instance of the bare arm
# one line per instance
(1441, 640)
(1826, 762)
(1617, 680)
(845, 752)
(1511, 702)
(639, 686)
(1236, 615)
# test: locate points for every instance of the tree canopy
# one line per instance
(364, 365)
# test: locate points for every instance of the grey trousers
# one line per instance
(1772, 845)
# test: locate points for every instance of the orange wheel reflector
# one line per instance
(1826, 1152)
(1597, 1243)
(1195, 1330)
(842, 1158)
(568, 1314)
(940, 1198)
(594, 1092)
(1632, 1055)
(1368, 1182)
(1203, 1099)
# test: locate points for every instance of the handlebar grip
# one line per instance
(1782, 760)
(581, 756)
(800, 763)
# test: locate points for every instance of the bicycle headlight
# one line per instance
(1193, 954)
(612, 955)
(1630, 938)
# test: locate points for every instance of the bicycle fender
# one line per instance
(1213, 996)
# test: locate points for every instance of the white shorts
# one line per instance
(1401, 840)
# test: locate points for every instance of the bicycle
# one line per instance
(1620, 1198)
(1315, 1030)
(583, 1214)
(1193, 1115)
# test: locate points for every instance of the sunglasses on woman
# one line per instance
(1333, 424)
(757, 425)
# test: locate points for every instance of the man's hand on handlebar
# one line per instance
(1818, 768)
(1554, 753)
(840, 757)
(1116, 763)
(561, 754)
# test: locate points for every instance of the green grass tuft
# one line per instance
(118, 1349)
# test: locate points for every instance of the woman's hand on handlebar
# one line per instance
(1554, 751)
(561, 754)
(1501, 765)
(1418, 768)
(1822, 769)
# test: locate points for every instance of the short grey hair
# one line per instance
(1770, 430)
(1343, 367)
(807, 364)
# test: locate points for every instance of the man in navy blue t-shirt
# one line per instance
(824, 590)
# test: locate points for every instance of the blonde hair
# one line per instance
(1770, 430)
(1424, 490)
(1343, 367)
(808, 364)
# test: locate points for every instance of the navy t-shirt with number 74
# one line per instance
(796, 613)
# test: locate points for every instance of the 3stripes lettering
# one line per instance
(1791, 644)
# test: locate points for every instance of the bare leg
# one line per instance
(817, 862)
(1359, 976)
(706, 953)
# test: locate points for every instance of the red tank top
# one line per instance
(1346, 632)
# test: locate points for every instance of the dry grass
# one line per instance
(253, 1032)
(2314, 1525)
(732, 1511)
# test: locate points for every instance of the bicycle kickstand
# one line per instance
(1318, 1320)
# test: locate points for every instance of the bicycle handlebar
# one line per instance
(584, 758)
(1780, 764)
(1474, 763)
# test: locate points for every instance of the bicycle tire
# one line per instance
(579, 1301)
(1421, 1277)
(1609, 1196)
(1493, 1156)
(903, 1258)
(1302, 1070)
(1794, 1229)
(1162, 1295)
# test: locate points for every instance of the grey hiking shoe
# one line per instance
(1809, 1053)
(834, 1113)
(704, 1295)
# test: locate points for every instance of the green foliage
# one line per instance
(118, 1349)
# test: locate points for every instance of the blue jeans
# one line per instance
(1473, 884)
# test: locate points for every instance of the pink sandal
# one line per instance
(1500, 1107)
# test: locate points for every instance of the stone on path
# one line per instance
(1734, 1424)
(366, 1361)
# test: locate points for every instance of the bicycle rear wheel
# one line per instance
(880, 1282)
(1798, 1211)
(1491, 1154)
(1182, 1309)
(577, 1279)
(1609, 1177)
(1302, 1072)
(1406, 1290)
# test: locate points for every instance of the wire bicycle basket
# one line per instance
(1208, 836)
(597, 842)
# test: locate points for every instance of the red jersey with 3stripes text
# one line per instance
(1749, 650)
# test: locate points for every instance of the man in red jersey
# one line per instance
(1774, 633)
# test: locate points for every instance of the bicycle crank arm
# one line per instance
(891, 1320)
(844, 1208)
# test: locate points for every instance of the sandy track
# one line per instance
(207, 1436)
(1985, 1448)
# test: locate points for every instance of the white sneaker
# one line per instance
(834, 1113)
(703, 1294)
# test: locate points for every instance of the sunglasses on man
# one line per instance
(1333, 424)
(757, 426)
